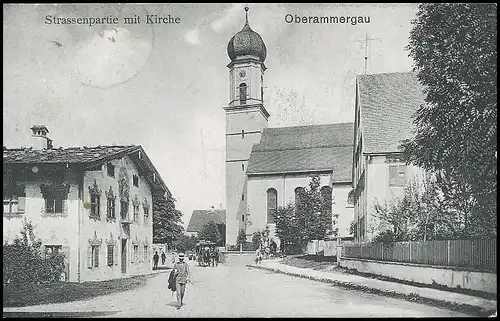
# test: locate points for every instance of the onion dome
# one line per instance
(246, 42)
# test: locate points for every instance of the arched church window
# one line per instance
(298, 193)
(326, 198)
(243, 93)
(272, 204)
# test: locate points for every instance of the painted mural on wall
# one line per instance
(123, 191)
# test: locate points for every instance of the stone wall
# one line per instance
(232, 258)
(426, 274)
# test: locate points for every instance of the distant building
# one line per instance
(385, 104)
(201, 217)
(94, 204)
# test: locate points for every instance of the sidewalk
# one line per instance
(382, 287)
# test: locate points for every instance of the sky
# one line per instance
(164, 86)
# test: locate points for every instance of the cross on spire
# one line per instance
(365, 41)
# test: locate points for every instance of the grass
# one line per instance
(317, 262)
(26, 295)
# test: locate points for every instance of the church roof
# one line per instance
(201, 217)
(387, 103)
(304, 149)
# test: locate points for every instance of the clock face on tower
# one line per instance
(242, 73)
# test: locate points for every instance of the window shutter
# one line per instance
(115, 255)
(89, 257)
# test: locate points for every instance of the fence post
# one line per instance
(448, 252)
(410, 251)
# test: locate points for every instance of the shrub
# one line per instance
(24, 263)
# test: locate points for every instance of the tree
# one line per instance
(167, 223)
(185, 243)
(454, 47)
(288, 228)
(210, 232)
(241, 240)
(422, 213)
(222, 230)
(256, 240)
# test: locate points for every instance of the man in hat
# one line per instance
(181, 270)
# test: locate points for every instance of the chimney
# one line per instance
(39, 139)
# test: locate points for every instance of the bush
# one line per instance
(23, 262)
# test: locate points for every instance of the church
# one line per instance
(267, 167)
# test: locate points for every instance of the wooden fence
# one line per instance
(477, 254)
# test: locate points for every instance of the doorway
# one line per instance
(124, 255)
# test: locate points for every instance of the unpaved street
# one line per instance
(238, 291)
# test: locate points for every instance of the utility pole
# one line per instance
(365, 42)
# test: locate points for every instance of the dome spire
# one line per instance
(246, 15)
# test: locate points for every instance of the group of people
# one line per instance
(156, 258)
(209, 256)
(266, 252)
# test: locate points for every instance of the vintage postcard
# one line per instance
(249, 160)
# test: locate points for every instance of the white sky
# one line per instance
(164, 87)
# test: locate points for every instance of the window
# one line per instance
(14, 201)
(136, 253)
(243, 167)
(145, 253)
(242, 218)
(111, 170)
(326, 197)
(397, 175)
(242, 134)
(272, 204)
(298, 194)
(110, 208)
(135, 180)
(146, 212)
(243, 94)
(135, 206)
(53, 203)
(124, 210)
(136, 213)
(110, 254)
(93, 256)
(262, 87)
(95, 201)
(242, 197)
(51, 250)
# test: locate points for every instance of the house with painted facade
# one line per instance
(94, 204)
(385, 104)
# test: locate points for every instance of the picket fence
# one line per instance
(478, 254)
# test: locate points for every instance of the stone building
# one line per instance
(384, 107)
(93, 203)
(265, 166)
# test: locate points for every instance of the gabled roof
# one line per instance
(304, 149)
(89, 157)
(388, 102)
(201, 217)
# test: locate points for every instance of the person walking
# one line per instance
(163, 258)
(155, 260)
(258, 257)
(181, 272)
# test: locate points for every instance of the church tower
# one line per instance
(246, 117)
